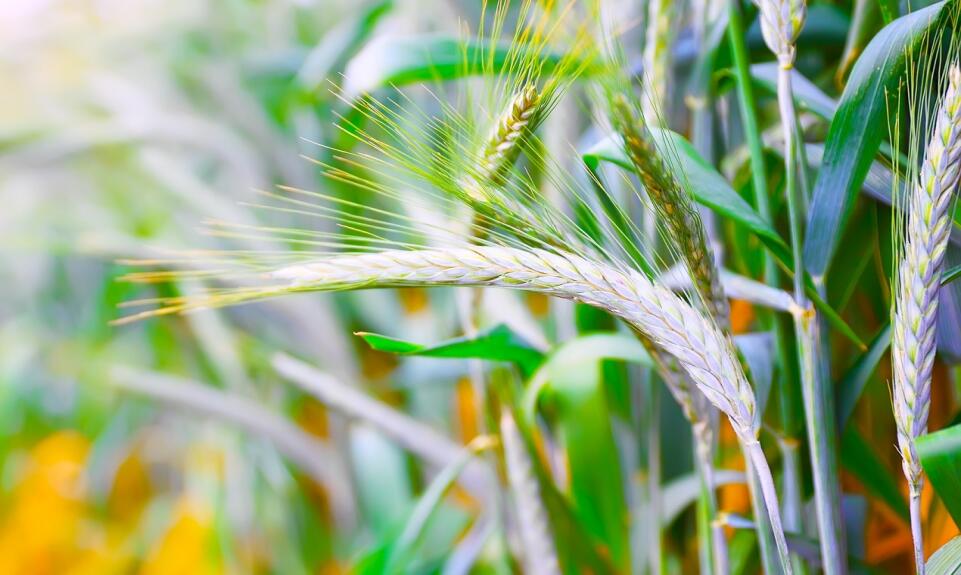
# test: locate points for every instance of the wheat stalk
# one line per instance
(540, 554)
(674, 207)
(781, 25)
(919, 276)
(704, 353)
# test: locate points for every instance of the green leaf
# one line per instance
(403, 549)
(857, 130)
(382, 486)
(859, 458)
(951, 275)
(706, 186)
(577, 550)
(940, 454)
(397, 61)
(338, 44)
(574, 379)
(852, 383)
(946, 560)
(498, 343)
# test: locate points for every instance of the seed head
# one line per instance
(673, 205)
(702, 351)
(919, 276)
(781, 24)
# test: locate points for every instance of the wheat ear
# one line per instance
(674, 207)
(700, 348)
(657, 57)
(503, 145)
(781, 24)
(540, 554)
(668, 321)
(919, 276)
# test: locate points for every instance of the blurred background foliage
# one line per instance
(123, 127)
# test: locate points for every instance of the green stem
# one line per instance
(818, 402)
(705, 551)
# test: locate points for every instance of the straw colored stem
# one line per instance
(766, 483)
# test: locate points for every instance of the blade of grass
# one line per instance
(497, 343)
(946, 560)
(404, 547)
(857, 130)
(851, 385)
(940, 454)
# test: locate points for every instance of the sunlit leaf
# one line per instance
(402, 551)
(498, 343)
(857, 130)
(706, 186)
(573, 379)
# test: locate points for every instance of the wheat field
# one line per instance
(480, 287)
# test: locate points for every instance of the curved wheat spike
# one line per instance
(704, 353)
(673, 325)
(540, 554)
(673, 205)
(916, 300)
